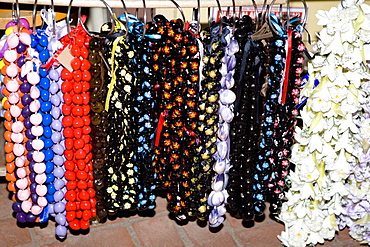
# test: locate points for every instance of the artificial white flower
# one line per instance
(316, 143)
(329, 155)
(340, 81)
(320, 105)
(338, 93)
(331, 133)
(344, 143)
(329, 139)
(348, 124)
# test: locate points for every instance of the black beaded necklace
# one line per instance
(122, 170)
(208, 119)
(286, 118)
(244, 129)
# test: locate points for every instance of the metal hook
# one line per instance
(234, 16)
(126, 16)
(180, 10)
(257, 20)
(281, 12)
(111, 19)
(198, 18)
(18, 15)
(152, 14)
(68, 17)
(14, 15)
(304, 19)
(288, 13)
(54, 17)
(220, 10)
(341, 3)
(263, 12)
(144, 29)
(209, 16)
(34, 11)
(269, 16)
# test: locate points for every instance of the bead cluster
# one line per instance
(80, 195)
(144, 115)
(244, 128)
(121, 169)
(125, 115)
(42, 145)
(218, 197)
(98, 92)
(285, 121)
(207, 119)
(21, 104)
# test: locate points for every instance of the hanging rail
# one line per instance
(149, 3)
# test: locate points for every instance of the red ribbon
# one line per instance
(192, 133)
(160, 127)
(54, 59)
(287, 67)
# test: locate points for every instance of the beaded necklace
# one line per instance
(286, 121)
(81, 202)
(275, 68)
(99, 54)
(98, 121)
(98, 92)
(18, 42)
(10, 86)
(207, 125)
(122, 182)
(107, 208)
(226, 108)
(243, 127)
(56, 189)
(159, 27)
(177, 119)
(39, 143)
(58, 148)
(145, 75)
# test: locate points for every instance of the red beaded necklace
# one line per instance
(80, 195)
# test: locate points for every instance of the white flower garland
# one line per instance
(325, 145)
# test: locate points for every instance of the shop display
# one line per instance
(220, 119)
